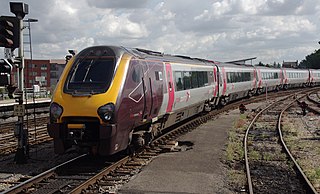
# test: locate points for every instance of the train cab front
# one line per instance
(82, 112)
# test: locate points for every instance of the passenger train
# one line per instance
(110, 98)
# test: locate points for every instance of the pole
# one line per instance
(22, 150)
(266, 92)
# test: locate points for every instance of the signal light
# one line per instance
(5, 71)
(5, 66)
(9, 32)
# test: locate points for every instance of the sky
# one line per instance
(221, 30)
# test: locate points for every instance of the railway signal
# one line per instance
(5, 71)
(9, 32)
(20, 10)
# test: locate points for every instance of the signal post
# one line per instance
(11, 37)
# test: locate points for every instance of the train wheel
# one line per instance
(250, 93)
(223, 101)
(259, 91)
(138, 139)
(131, 150)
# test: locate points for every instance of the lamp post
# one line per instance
(29, 21)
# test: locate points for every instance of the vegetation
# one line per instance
(311, 61)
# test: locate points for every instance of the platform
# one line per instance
(197, 170)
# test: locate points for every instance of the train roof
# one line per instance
(149, 54)
(293, 69)
(227, 64)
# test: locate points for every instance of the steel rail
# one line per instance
(22, 186)
(282, 142)
(245, 145)
(100, 175)
(288, 151)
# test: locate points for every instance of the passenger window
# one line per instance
(178, 80)
(194, 79)
(187, 80)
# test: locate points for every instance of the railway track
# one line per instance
(114, 174)
(9, 143)
(314, 105)
(37, 131)
(270, 166)
(110, 175)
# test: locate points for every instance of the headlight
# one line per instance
(55, 112)
(106, 112)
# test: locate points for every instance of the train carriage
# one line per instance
(314, 77)
(236, 81)
(194, 85)
(111, 97)
(269, 78)
(295, 78)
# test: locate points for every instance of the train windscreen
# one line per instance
(91, 73)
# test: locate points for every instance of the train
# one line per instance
(113, 98)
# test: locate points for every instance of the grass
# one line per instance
(235, 153)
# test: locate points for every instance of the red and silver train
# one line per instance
(110, 98)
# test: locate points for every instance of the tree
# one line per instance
(311, 61)
(260, 64)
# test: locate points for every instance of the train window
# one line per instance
(158, 75)
(229, 77)
(194, 79)
(136, 74)
(90, 74)
(205, 78)
(200, 78)
(178, 80)
(246, 76)
(187, 80)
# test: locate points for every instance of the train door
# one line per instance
(155, 81)
(215, 82)
(170, 86)
(147, 90)
(259, 79)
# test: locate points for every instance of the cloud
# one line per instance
(221, 29)
(114, 26)
(125, 4)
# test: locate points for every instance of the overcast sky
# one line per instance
(222, 30)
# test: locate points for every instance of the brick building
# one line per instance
(44, 73)
(290, 64)
(37, 72)
(56, 68)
